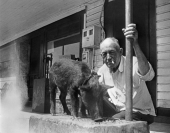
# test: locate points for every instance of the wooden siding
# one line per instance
(94, 11)
(163, 53)
(7, 60)
(98, 59)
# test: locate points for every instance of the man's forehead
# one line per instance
(108, 44)
(104, 49)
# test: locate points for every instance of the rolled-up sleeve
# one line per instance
(148, 76)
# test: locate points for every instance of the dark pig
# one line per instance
(92, 97)
(77, 78)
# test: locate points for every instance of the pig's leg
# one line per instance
(74, 101)
(62, 97)
(99, 110)
(52, 90)
(82, 108)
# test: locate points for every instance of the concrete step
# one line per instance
(159, 128)
(65, 124)
(19, 123)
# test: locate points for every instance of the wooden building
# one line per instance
(38, 28)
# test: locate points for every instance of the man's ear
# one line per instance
(121, 51)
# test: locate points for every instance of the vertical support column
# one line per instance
(129, 62)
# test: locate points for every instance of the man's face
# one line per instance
(111, 54)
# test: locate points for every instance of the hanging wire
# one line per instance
(101, 18)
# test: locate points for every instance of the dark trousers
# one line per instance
(109, 110)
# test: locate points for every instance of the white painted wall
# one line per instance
(163, 52)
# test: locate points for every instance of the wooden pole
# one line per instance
(129, 61)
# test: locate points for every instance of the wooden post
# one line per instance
(129, 61)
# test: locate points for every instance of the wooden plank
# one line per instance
(94, 10)
(95, 19)
(163, 48)
(161, 2)
(163, 79)
(94, 22)
(163, 55)
(94, 5)
(163, 95)
(164, 8)
(163, 63)
(163, 24)
(163, 32)
(163, 40)
(91, 1)
(163, 103)
(163, 16)
(163, 87)
(163, 71)
(94, 16)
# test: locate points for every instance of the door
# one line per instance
(36, 62)
(144, 18)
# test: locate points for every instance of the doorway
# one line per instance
(59, 39)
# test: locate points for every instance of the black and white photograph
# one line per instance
(84, 66)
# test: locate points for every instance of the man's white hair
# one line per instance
(113, 41)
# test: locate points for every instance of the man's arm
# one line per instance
(143, 64)
(131, 33)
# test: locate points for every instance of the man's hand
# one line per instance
(130, 32)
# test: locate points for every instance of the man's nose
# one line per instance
(108, 56)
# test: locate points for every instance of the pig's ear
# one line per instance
(93, 72)
(84, 88)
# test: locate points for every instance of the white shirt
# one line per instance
(142, 101)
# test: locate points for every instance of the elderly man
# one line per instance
(113, 73)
